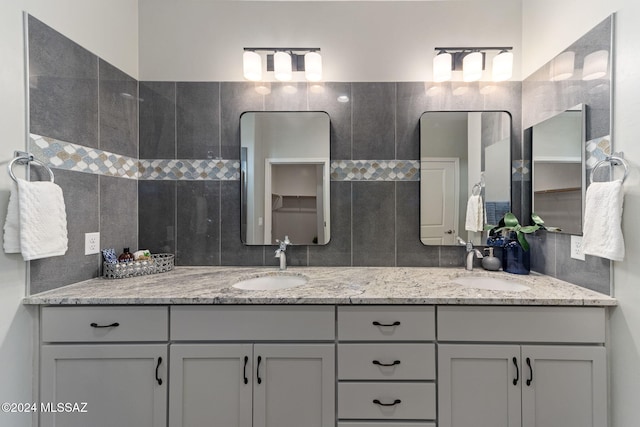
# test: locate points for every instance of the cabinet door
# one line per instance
(122, 385)
(564, 386)
(210, 385)
(294, 385)
(476, 385)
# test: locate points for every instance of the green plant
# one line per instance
(510, 224)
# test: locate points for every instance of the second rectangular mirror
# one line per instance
(284, 162)
(465, 174)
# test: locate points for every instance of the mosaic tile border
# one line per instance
(375, 170)
(65, 155)
(597, 149)
(190, 170)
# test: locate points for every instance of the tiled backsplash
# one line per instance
(185, 197)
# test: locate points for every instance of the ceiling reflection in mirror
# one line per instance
(285, 167)
(465, 174)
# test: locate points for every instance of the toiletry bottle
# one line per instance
(125, 256)
(490, 262)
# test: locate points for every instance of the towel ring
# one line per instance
(24, 159)
(615, 161)
(476, 190)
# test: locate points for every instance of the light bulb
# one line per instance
(442, 69)
(313, 66)
(252, 66)
(282, 66)
(472, 67)
(502, 66)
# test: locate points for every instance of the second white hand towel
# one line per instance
(11, 241)
(602, 233)
(475, 214)
(43, 220)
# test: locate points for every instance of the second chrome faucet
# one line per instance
(470, 255)
(281, 252)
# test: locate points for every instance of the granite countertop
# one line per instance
(326, 285)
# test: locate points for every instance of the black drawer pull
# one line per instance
(113, 325)
(396, 323)
(258, 370)
(530, 372)
(395, 402)
(394, 363)
(244, 371)
(515, 380)
(158, 367)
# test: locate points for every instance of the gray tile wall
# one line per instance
(373, 223)
(77, 97)
(543, 98)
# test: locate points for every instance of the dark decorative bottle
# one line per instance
(125, 256)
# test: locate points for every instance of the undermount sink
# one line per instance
(271, 282)
(490, 283)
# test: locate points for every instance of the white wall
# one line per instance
(108, 28)
(193, 40)
(550, 26)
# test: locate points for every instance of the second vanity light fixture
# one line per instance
(283, 62)
(471, 60)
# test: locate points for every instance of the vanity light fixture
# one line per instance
(471, 61)
(596, 65)
(562, 66)
(283, 62)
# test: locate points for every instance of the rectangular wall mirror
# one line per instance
(557, 146)
(285, 167)
(465, 161)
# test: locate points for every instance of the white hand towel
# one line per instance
(11, 242)
(602, 232)
(43, 220)
(475, 214)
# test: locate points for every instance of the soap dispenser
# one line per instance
(125, 256)
(490, 262)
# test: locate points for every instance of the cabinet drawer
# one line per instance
(366, 361)
(253, 323)
(104, 324)
(417, 401)
(522, 324)
(386, 323)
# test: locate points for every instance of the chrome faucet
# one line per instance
(471, 254)
(281, 252)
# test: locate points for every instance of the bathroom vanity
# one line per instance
(352, 347)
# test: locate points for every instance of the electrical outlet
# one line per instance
(91, 243)
(576, 248)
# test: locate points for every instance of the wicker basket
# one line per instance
(159, 263)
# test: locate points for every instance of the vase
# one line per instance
(515, 260)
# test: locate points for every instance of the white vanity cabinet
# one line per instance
(256, 380)
(386, 366)
(519, 371)
(89, 356)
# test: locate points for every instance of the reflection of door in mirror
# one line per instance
(440, 190)
(285, 177)
(465, 161)
(295, 208)
(558, 170)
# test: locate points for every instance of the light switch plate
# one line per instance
(91, 243)
(576, 248)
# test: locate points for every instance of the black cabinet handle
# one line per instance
(244, 370)
(517, 378)
(396, 323)
(258, 370)
(530, 372)
(158, 367)
(377, 362)
(113, 325)
(395, 402)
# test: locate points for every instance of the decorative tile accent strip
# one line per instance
(375, 170)
(521, 170)
(597, 149)
(186, 170)
(65, 155)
